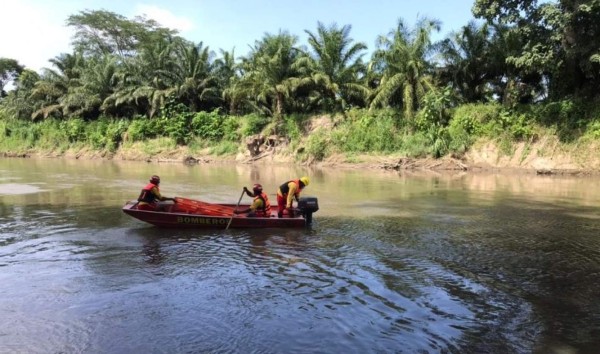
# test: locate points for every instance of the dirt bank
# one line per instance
(545, 156)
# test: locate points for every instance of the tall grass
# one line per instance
(436, 131)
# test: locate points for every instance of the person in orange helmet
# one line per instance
(150, 196)
(289, 191)
(260, 205)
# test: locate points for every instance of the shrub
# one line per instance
(207, 125)
(140, 129)
(114, 133)
(74, 129)
(416, 145)
(365, 131)
(224, 148)
(253, 124)
(179, 127)
(435, 109)
(472, 118)
(316, 145)
(230, 128)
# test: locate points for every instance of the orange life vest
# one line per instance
(146, 195)
(265, 211)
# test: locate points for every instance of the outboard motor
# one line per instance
(308, 206)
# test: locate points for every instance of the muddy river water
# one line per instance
(394, 263)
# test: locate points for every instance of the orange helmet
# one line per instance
(155, 179)
(257, 188)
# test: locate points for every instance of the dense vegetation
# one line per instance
(524, 68)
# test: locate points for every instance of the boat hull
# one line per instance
(188, 213)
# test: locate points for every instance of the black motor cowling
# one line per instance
(308, 206)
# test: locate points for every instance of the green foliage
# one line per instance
(253, 124)
(114, 134)
(439, 140)
(317, 145)
(10, 69)
(368, 131)
(460, 139)
(158, 145)
(272, 71)
(569, 117)
(208, 125)
(51, 136)
(178, 127)
(230, 126)
(567, 113)
(336, 66)
(140, 129)
(11, 138)
(96, 134)
(435, 109)
(75, 129)
(106, 133)
(224, 148)
(472, 118)
(176, 119)
(518, 125)
(505, 143)
(102, 32)
(416, 145)
(292, 126)
(559, 37)
(592, 131)
(401, 58)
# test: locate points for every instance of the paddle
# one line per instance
(238, 204)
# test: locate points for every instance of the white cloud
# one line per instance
(34, 31)
(165, 17)
(32, 34)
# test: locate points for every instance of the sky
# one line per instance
(34, 31)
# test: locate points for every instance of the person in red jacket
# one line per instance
(260, 205)
(286, 194)
(150, 196)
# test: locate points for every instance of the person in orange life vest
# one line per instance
(260, 206)
(150, 196)
(286, 194)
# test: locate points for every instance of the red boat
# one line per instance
(190, 213)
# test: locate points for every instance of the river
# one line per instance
(395, 262)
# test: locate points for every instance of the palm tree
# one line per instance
(100, 77)
(54, 85)
(194, 78)
(336, 65)
(228, 74)
(146, 84)
(468, 64)
(402, 62)
(272, 72)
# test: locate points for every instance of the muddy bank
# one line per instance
(545, 157)
(449, 164)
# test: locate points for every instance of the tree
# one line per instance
(194, 78)
(54, 85)
(10, 69)
(18, 103)
(272, 73)
(467, 62)
(560, 40)
(402, 62)
(101, 32)
(228, 74)
(336, 66)
(146, 84)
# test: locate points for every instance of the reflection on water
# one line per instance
(393, 263)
